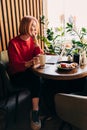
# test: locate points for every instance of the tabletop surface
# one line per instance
(51, 71)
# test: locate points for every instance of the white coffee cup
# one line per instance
(42, 59)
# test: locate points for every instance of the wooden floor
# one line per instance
(23, 123)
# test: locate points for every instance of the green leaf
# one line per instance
(84, 30)
(70, 25)
(69, 30)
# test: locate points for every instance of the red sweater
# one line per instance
(19, 52)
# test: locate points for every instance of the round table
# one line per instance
(50, 71)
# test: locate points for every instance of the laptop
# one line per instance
(51, 59)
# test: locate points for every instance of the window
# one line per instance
(60, 9)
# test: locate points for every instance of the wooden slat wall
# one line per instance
(11, 13)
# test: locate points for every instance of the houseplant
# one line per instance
(54, 42)
(79, 39)
(79, 47)
(50, 38)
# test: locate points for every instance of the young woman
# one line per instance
(23, 51)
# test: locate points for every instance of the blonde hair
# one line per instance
(26, 23)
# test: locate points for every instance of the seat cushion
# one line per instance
(72, 108)
(4, 57)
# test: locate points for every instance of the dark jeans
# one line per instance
(27, 79)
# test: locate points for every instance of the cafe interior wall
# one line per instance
(11, 13)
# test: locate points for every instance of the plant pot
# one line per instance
(76, 58)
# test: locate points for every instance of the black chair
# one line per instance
(10, 97)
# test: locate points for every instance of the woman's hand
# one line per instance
(33, 63)
(29, 63)
(36, 62)
(34, 34)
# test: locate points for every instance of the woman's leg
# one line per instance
(32, 82)
(35, 104)
(35, 93)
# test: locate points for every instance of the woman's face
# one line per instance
(33, 28)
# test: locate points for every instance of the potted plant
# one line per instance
(54, 42)
(79, 41)
(50, 38)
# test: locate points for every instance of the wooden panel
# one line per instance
(11, 13)
(17, 14)
(5, 25)
(2, 40)
(20, 9)
(37, 7)
(31, 8)
(9, 19)
(27, 7)
(34, 8)
(24, 8)
(40, 14)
